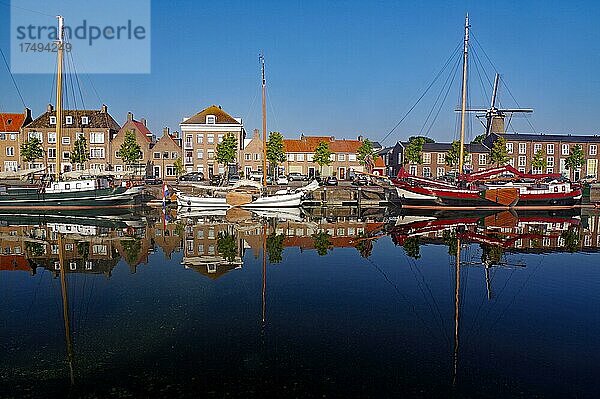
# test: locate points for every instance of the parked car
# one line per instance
(282, 181)
(360, 181)
(295, 176)
(192, 176)
(256, 176)
(232, 179)
(329, 181)
(215, 180)
(153, 181)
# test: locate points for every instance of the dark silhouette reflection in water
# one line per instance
(317, 302)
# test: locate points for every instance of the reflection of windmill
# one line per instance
(494, 116)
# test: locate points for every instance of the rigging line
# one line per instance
(424, 93)
(439, 95)
(403, 297)
(70, 55)
(445, 97)
(12, 77)
(477, 64)
(516, 102)
(251, 106)
(70, 78)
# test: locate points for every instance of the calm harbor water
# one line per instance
(346, 304)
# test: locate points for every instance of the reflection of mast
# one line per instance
(264, 274)
(488, 283)
(456, 310)
(65, 303)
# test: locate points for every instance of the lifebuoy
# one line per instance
(129, 184)
(129, 231)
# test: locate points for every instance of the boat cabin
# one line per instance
(76, 186)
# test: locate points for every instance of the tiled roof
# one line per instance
(572, 138)
(222, 117)
(96, 120)
(379, 162)
(143, 129)
(11, 122)
(308, 144)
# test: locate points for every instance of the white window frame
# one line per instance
(85, 120)
(537, 147)
(211, 119)
(482, 159)
(593, 149)
(550, 149)
(95, 137)
(68, 120)
(199, 138)
(426, 158)
(509, 148)
(66, 140)
(341, 157)
(565, 149)
(441, 158)
(10, 151)
(522, 148)
(51, 137)
(53, 120)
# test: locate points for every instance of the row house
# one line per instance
(300, 153)
(97, 126)
(252, 158)
(10, 126)
(434, 159)
(556, 148)
(202, 132)
(164, 154)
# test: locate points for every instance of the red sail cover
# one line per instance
(494, 172)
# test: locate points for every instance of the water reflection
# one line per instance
(183, 255)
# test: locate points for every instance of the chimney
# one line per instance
(27, 114)
(360, 138)
(165, 131)
(50, 108)
(256, 133)
(129, 117)
(143, 120)
(104, 109)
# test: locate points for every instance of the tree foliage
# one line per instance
(178, 166)
(479, 139)
(539, 160)
(32, 149)
(576, 158)
(414, 150)
(130, 151)
(453, 155)
(322, 242)
(227, 150)
(275, 153)
(227, 246)
(499, 153)
(366, 150)
(425, 139)
(275, 247)
(80, 153)
(571, 239)
(412, 247)
(322, 156)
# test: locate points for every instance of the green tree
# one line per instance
(322, 156)
(491, 255)
(453, 154)
(479, 139)
(275, 154)
(131, 249)
(539, 160)
(130, 151)
(571, 239)
(575, 159)
(425, 139)
(178, 166)
(322, 242)
(80, 153)
(414, 150)
(366, 154)
(499, 153)
(451, 241)
(227, 246)
(275, 247)
(32, 149)
(227, 150)
(412, 247)
(365, 245)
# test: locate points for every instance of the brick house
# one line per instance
(252, 154)
(143, 137)
(556, 147)
(10, 126)
(299, 156)
(97, 126)
(164, 153)
(202, 132)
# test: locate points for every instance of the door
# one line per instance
(157, 171)
(577, 174)
(311, 172)
(342, 173)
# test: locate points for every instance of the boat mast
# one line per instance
(463, 109)
(65, 303)
(456, 310)
(492, 111)
(59, 71)
(264, 119)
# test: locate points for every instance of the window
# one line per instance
(549, 170)
(310, 157)
(66, 155)
(174, 155)
(290, 157)
(2, 136)
(593, 149)
(536, 171)
(200, 154)
(257, 157)
(565, 149)
(482, 159)
(97, 152)
(13, 136)
(10, 151)
(351, 157)
(37, 135)
(156, 155)
(550, 149)
(440, 171)
(53, 120)
(79, 135)
(536, 148)
(511, 162)
(199, 138)
(426, 158)
(170, 170)
(247, 157)
(96, 138)
(210, 138)
(341, 157)
(69, 120)
(426, 171)
(51, 137)
(509, 148)
(66, 140)
(522, 148)
(299, 157)
(220, 138)
(51, 152)
(85, 120)
(441, 158)
(522, 160)
(211, 119)
(211, 154)
(550, 162)
(332, 157)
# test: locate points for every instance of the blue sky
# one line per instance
(345, 68)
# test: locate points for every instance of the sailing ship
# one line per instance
(77, 193)
(497, 187)
(223, 197)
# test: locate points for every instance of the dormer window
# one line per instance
(69, 120)
(53, 120)
(9, 122)
(85, 120)
(211, 119)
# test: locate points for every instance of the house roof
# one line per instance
(571, 138)
(139, 126)
(11, 122)
(96, 119)
(222, 117)
(310, 143)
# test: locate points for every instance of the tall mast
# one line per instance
(264, 118)
(463, 109)
(492, 111)
(456, 310)
(65, 303)
(59, 72)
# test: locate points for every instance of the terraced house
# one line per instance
(10, 126)
(144, 139)
(97, 126)
(202, 132)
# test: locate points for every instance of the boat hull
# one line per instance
(28, 198)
